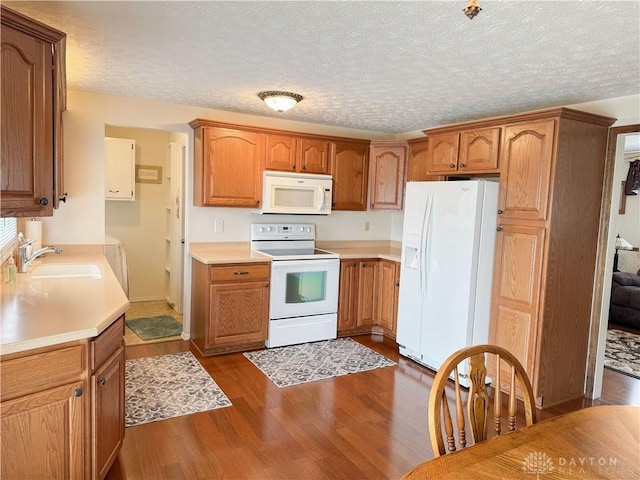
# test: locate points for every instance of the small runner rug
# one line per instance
(151, 328)
(308, 362)
(622, 353)
(167, 386)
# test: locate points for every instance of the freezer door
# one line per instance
(409, 327)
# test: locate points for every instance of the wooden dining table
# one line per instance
(600, 442)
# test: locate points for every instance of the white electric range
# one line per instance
(303, 302)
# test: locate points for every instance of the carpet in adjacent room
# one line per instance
(167, 386)
(152, 328)
(622, 353)
(308, 362)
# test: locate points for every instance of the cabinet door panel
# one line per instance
(417, 163)
(120, 168)
(349, 171)
(386, 295)
(479, 150)
(367, 282)
(233, 162)
(516, 291)
(313, 155)
(107, 386)
(51, 421)
(442, 157)
(27, 125)
(280, 153)
(238, 313)
(526, 169)
(386, 177)
(348, 295)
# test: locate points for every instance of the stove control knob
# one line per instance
(301, 229)
(308, 229)
(268, 229)
(260, 229)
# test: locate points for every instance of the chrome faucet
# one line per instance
(24, 259)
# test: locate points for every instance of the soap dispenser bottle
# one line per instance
(11, 270)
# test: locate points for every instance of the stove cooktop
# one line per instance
(298, 253)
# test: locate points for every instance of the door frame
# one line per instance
(602, 279)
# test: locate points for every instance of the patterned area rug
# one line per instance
(168, 386)
(308, 362)
(622, 353)
(150, 328)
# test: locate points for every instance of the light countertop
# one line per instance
(43, 312)
(212, 253)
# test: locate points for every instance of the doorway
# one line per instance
(150, 224)
(615, 168)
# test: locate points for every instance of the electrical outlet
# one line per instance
(218, 226)
(366, 226)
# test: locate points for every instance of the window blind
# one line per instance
(8, 236)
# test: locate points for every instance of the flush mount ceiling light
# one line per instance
(280, 101)
(472, 9)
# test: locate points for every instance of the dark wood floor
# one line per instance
(371, 425)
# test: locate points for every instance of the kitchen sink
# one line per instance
(65, 270)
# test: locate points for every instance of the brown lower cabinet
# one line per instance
(107, 398)
(368, 297)
(218, 294)
(49, 405)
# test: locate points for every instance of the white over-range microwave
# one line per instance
(296, 193)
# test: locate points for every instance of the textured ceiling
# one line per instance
(381, 66)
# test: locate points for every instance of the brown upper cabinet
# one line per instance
(465, 152)
(387, 160)
(228, 165)
(417, 162)
(32, 101)
(349, 162)
(297, 154)
(526, 169)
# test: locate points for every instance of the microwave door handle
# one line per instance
(320, 199)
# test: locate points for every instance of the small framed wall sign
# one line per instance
(148, 174)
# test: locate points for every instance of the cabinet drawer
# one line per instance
(40, 371)
(241, 272)
(103, 346)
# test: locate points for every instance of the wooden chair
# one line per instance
(477, 411)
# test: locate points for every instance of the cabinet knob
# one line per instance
(63, 198)
(266, 285)
(499, 212)
(498, 229)
(77, 392)
(397, 284)
(293, 167)
(257, 202)
(43, 201)
(463, 165)
(304, 167)
(371, 205)
(452, 166)
(102, 381)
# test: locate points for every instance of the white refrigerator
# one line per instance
(448, 241)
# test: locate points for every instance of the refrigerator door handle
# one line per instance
(424, 244)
